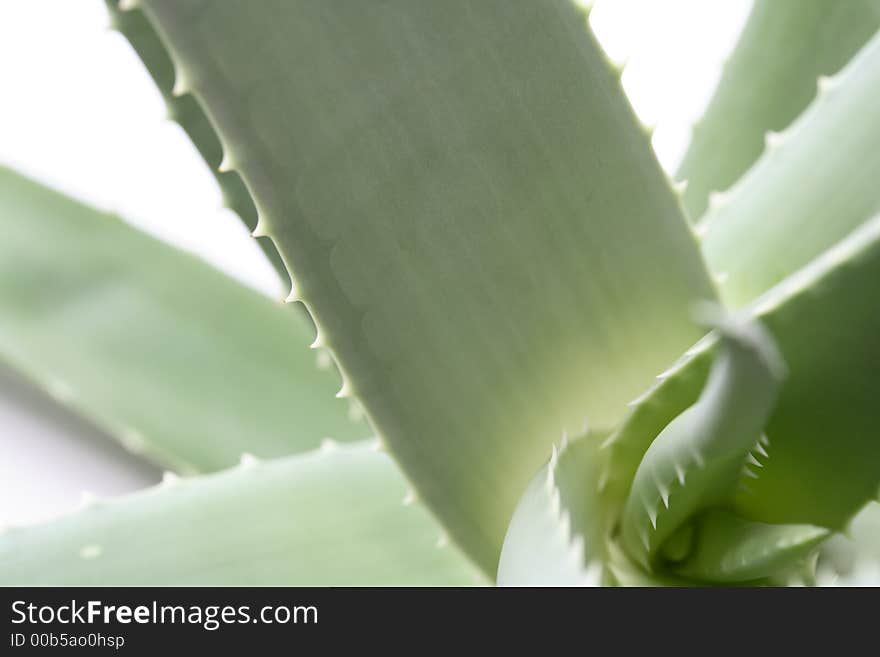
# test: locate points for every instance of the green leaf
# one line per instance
(824, 452)
(768, 81)
(696, 461)
(469, 209)
(173, 358)
(822, 460)
(807, 192)
(186, 111)
(329, 517)
(556, 535)
(730, 549)
(561, 533)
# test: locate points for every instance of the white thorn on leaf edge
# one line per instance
(226, 163)
(748, 473)
(824, 83)
(554, 456)
(293, 295)
(181, 85)
(247, 461)
(260, 229)
(773, 140)
(680, 473)
(345, 390)
(664, 494)
(319, 341)
(652, 513)
(671, 370)
(717, 200)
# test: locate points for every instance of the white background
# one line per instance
(79, 112)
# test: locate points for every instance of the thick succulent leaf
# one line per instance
(556, 535)
(730, 549)
(175, 359)
(821, 462)
(334, 516)
(853, 559)
(815, 183)
(698, 458)
(186, 111)
(768, 81)
(471, 212)
(561, 531)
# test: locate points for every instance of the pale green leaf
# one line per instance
(769, 79)
(729, 549)
(562, 530)
(557, 533)
(471, 212)
(698, 458)
(330, 517)
(814, 185)
(173, 358)
(821, 462)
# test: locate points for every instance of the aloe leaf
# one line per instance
(176, 360)
(561, 531)
(815, 183)
(769, 79)
(329, 517)
(556, 535)
(730, 549)
(820, 460)
(186, 111)
(469, 209)
(697, 460)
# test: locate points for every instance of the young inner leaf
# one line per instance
(697, 459)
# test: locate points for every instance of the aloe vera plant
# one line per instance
(587, 373)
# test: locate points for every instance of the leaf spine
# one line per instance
(247, 461)
(169, 479)
(260, 230)
(226, 162)
(345, 391)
